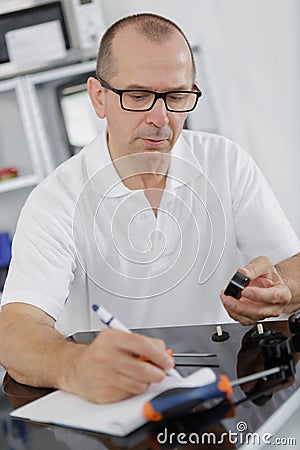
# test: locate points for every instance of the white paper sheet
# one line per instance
(35, 44)
(119, 419)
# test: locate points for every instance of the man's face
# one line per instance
(143, 64)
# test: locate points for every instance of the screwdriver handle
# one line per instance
(180, 400)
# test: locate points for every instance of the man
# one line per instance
(147, 221)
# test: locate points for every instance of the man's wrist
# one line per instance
(69, 366)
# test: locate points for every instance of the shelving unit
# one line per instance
(44, 103)
(18, 183)
(33, 137)
(18, 147)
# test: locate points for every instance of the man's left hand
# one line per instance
(267, 295)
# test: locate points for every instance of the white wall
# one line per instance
(262, 53)
(253, 48)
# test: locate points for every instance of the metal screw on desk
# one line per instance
(220, 335)
(260, 328)
(260, 332)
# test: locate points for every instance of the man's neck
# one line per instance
(143, 171)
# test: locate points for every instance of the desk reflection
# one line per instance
(210, 423)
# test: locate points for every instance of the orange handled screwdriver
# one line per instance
(181, 400)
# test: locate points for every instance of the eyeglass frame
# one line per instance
(157, 95)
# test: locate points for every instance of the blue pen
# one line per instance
(112, 322)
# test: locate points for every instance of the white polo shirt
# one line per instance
(84, 238)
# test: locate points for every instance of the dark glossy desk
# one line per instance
(236, 357)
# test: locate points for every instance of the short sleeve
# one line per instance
(43, 261)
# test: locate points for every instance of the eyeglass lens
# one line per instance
(141, 100)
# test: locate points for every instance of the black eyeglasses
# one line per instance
(144, 100)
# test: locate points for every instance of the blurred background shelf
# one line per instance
(18, 183)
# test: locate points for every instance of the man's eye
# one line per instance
(138, 96)
(176, 97)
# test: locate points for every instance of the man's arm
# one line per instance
(271, 291)
(107, 370)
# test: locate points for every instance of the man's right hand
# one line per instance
(110, 368)
(107, 370)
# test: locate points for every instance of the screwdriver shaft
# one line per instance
(191, 355)
(255, 376)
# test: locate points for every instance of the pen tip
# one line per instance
(95, 308)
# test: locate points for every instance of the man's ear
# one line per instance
(96, 94)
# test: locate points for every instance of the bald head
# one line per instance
(150, 27)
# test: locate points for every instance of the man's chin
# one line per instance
(153, 155)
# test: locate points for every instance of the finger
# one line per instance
(151, 349)
(258, 267)
(251, 317)
(247, 312)
(133, 368)
(276, 295)
(107, 394)
(230, 304)
(262, 282)
(121, 372)
(243, 320)
(121, 351)
(128, 384)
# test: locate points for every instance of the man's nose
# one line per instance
(158, 115)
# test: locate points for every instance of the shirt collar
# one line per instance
(184, 167)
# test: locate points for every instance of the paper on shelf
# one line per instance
(37, 43)
(118, 419)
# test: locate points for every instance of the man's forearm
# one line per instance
(35, 353)
(289, 270)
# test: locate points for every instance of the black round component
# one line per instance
(257, 336)
(276, 351)
(296, 343)
(220, 337)
(294, 322)
(238, 282)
